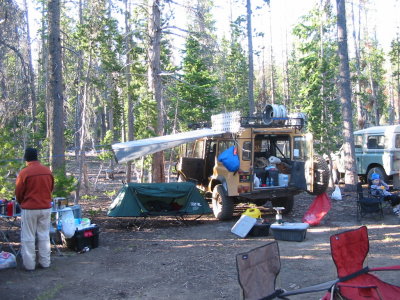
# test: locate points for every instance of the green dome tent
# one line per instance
(158, 199)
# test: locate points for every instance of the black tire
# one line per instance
(321, 176)
(378, 170)
(286, 202)
(222, 204)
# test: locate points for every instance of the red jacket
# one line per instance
(34, 186)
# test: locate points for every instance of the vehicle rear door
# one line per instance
(302, 156)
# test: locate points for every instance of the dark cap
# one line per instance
(30, 154)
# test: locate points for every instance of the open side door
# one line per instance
(191, 166)
(191, 169)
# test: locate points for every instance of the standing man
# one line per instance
(33, 191)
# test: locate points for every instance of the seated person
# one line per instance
(380, 188)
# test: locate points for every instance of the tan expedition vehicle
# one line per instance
(256, 139)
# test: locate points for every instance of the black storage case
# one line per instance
(87, 237)
(260, 229)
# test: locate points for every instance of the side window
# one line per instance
(223, 145)
(284, 148)
(376, 142)
(198, 149)
(187, 149)
(358, 141)
(246, 151)
(299, 148)
(397, 141)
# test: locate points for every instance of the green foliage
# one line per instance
(106, 153)
(394, 55)
(371, 71)
(233, 72)
(9, 163)
(89, 197)
(63, 184)
(196, 91)
(317, 71)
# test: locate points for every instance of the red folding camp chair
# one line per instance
(349, 250)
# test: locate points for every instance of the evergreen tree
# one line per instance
(395, 62)
(318, 65)
(233, 72)
(196, 91)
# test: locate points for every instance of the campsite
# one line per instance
(163, 122)
(163, 258)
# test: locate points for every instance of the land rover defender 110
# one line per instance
(276, 158)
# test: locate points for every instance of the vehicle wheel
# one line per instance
(222, 204)
(378, 170)
(286, 202)
(321, 176)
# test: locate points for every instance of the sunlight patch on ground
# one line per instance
(300, 257)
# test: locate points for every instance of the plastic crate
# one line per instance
(290, 231)
(260, 230)
(87, 237)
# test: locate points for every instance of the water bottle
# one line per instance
(85, 249)
(59, 225)
(10, 208)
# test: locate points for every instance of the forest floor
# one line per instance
(164, 258)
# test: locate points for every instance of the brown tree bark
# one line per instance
(30, 71)
(251, 64)
(345, 98)
(154, 82)
(55, 88)
(129, 45)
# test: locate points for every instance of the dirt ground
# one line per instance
(164, 258)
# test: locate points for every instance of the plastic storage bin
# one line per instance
(87, 237)
(290, 231)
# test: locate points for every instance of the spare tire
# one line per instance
(321, 176)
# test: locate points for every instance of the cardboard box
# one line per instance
(87, 237)
(290, 231)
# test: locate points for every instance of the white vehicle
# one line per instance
(377, 149)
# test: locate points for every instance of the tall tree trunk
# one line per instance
(44, 71)
(271, 53)
(31, 72)
(80, 91)
(79, 117)
(55, 87)
(360, 117)
(286, 82)
(129, 45)
(154, 82)
(251, 64)
(345, 98)
(373, 94)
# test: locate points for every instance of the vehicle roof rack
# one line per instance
(258, 122)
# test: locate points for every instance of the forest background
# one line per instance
(98, 72)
